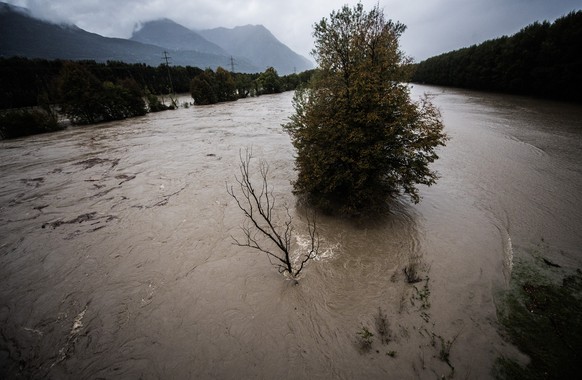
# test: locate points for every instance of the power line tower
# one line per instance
(167, 59)
(173, 100)
(232, 64)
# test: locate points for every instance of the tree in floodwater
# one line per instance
(203, 89)
(269, 82)
(23, 122)
(85, 99)
(209, 87)
(359, 137)
(261, 230)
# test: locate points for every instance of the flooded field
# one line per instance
(116, 256)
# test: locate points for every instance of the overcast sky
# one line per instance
(433, 26)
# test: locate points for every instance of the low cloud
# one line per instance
(433, 26)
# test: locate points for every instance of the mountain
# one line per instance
(25, 36)
(257, 44)
(171, 35)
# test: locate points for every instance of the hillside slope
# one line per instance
(257, 44)
(25, 36)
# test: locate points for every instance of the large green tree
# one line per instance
(203, 88)
(269, 82)
(209, 87)
(225, 85)
(358, 135)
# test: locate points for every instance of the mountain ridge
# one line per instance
(169, 34)
(26, 36)
(258, 44)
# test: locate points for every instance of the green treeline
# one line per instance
(34, 92)
(543, 59)
(24, 81)
(210, 87)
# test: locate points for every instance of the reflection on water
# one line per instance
(116, 259)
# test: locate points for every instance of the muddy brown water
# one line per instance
(116, 259)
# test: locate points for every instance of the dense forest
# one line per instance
(543, 59)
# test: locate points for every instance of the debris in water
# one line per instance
(35, 182)
(87, 164)
(80, 219)
(35, 331)
(77, 323)
(125, 178)
(69, 346)
(550, 263)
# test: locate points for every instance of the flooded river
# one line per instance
(116, 257)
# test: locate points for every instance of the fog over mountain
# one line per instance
(257, 44)
(250, 43)
(167, 33)
(26, 36)
(433, 27)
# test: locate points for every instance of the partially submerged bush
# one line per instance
(24, 122)
(382, 326)
(411, 273)
(365, 339)
(154, 103)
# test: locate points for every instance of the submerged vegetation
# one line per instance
(365, 339)
(541, 314)
(262, 228)
(542, 59)
(24, 122)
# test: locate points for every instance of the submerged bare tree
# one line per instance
(261, 229)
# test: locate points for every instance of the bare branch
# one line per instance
(314, 242)
(258, 206)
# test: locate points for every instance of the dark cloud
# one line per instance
(434, 26)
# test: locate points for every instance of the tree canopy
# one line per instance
(359, 137)
(269, 82)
